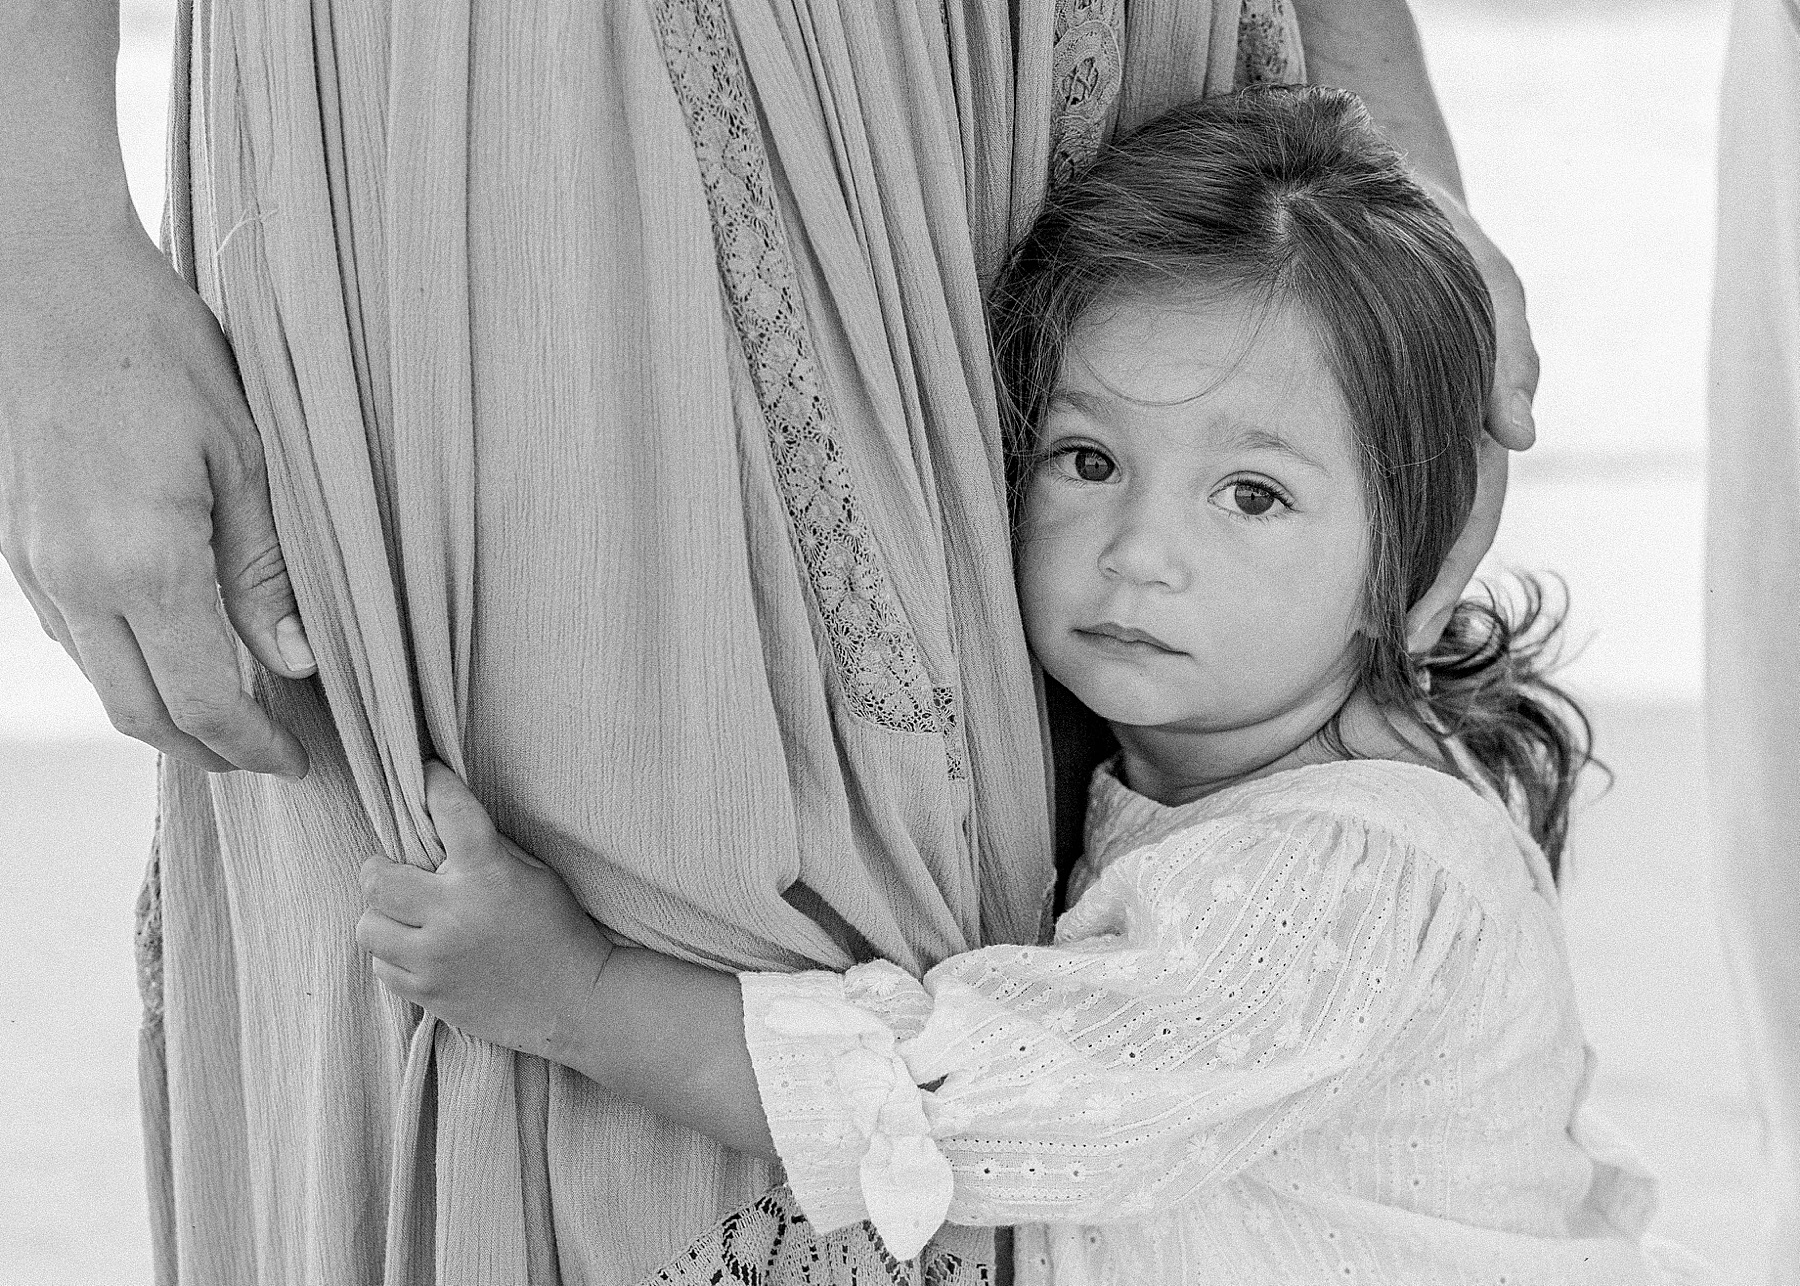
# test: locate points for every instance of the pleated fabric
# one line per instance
(632, 439)
(1753, 581)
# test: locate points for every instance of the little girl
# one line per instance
(1309, 1016)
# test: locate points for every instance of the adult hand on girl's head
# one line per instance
(1431, 613)
(493, 942)
(1509, 421)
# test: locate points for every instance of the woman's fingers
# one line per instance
(252, 574)
(159, 653)
(1428, 617)
(50, 620)
(108, 654)
(130, 473)
(1509, 418)
(192, 660)
(401, 892)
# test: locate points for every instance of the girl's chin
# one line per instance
(1122, 703)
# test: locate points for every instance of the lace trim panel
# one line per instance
(876, 652)
(770, 1243)
(1268, 45)
(951, 722)
(1087, 69)
(147, 934)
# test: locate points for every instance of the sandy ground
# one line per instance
(1586, 129)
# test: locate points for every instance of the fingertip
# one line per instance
(452, 806)
(1520, 421)
(439, 782)
(1426, 629)
(292, 763)
(295, 650)
(202, 758)
(1510, 421)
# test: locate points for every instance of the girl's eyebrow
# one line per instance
(1261, 439)
(1249, 437)
(1076, 400)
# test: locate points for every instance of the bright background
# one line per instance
(1587, 131)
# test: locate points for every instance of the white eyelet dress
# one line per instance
(1314, 1028)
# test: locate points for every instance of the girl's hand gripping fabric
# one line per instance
(1210, 996)
(493, 942)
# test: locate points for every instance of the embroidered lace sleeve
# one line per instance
(1207, 997)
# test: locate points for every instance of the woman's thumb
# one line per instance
(253, 578)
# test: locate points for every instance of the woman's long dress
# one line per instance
(1753, 579)
(621, 371)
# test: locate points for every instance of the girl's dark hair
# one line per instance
(1288, 196)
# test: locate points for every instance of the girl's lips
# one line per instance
(1127, 634)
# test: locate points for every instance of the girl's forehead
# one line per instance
(1205, 367)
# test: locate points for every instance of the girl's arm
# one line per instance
(669, 1035)
(1207, 999)
(494, 943)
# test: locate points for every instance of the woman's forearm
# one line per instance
(669, 1036)
(62, 177)
(1372, 49)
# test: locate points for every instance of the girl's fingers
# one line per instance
(521, 854)
(388, 940)
(463, 825)
(397, 980)
(403, 893)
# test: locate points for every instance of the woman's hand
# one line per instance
(492, 942)
(1372, 49)
(133, 498)
(1509, 423)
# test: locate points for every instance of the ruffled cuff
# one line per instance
(846, 1117)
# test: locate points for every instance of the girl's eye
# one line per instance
(1088, 464)
(1253, 499)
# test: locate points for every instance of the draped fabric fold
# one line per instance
(632, 439)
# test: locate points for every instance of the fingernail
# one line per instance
(1519, 412)
(290, 641)
(298, 770)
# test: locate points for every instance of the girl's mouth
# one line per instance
(1126, 635)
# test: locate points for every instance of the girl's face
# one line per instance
(1194, 538)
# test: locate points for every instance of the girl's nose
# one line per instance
(1145, 552)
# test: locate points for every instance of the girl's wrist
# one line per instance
(577, 1039)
